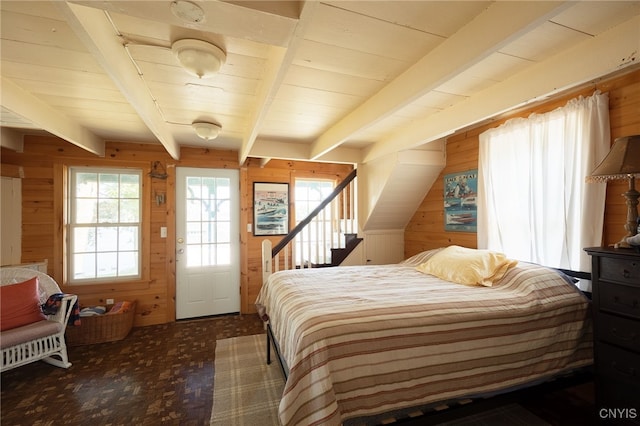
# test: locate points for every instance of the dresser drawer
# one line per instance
(619, 331)
(623, 299)
(618, 364)
(620, 270)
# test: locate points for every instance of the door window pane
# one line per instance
(208, 212)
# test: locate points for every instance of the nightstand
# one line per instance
(616, 312)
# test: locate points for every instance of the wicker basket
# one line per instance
(101, 328)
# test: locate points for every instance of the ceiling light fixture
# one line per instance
(198, 57)
(206, 130)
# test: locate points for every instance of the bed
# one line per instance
(359, 341)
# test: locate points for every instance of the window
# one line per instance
(104, 224)
(533, 202)
(313, 244)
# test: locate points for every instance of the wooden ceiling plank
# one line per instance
(47, 118)
(94, 29)
(499, 24)
(602, 55)
(272, 26)
(277, 66)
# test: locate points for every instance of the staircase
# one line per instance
(324, 238)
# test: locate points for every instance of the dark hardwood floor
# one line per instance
(164, 375)
(158, 375)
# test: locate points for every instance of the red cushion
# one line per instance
(20, 304)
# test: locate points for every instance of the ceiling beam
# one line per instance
(286, 150)
(268, 148)
(24, 104)
(277, 64)
(98, 34)
(11, 139)
(277, 67)
(499, 24)
(604, 54)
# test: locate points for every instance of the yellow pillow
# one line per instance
(467, 266)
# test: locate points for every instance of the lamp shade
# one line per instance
(198, 57)
(622, 161)
(206, 130)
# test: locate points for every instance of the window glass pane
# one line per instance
(223, 188)
(86, 210)
(107, 239)
(108, 211)
(302, 190)
(130, 211)
(302, 209)
(107, 264)
(208, 209)
(128, 238)
(84, 240)
(86, 185)
(129, 186)
(223, 210)
(208, 232)
(128, 263)
(208, 187)
(223, 232)
(108, 186)
(194, 255)
(194, 187)
(84, 266)
(194, 233)
(314, 243)
(208, 254)
(194, 209)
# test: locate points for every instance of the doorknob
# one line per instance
(180, 240)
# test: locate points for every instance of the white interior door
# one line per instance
(207, 242)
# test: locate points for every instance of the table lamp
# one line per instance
(623, 162)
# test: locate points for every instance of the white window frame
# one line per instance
(72, 226)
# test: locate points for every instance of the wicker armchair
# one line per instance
(43, 340)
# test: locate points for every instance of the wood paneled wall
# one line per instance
(426, 229)
(42, 164)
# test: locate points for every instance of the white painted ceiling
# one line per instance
(346, 81)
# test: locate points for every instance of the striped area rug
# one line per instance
(247, 391)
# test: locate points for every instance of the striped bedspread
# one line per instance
(360, 341)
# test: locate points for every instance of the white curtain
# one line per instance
(533, 202)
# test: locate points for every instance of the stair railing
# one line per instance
(329, 221)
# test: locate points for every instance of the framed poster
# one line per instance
(270, 208)
(460, 195)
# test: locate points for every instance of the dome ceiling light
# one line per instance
(206, 130)
(198, 57)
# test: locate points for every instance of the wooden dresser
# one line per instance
(616, 309)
